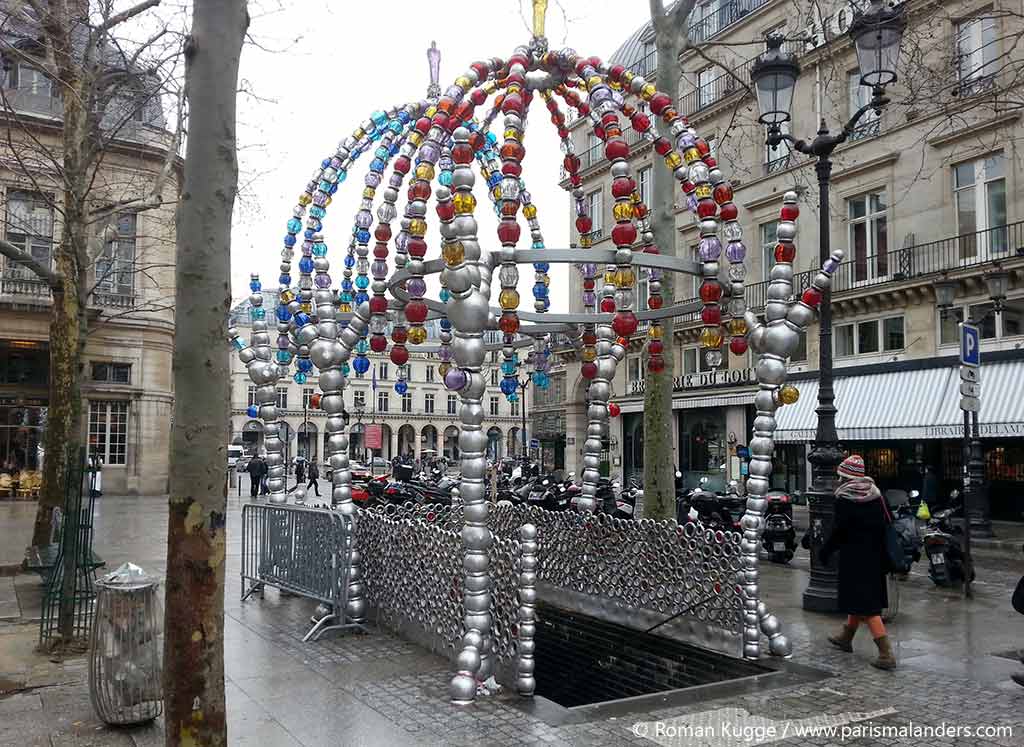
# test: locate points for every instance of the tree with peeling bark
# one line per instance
(103, 92)
(194, 617)
(670, 40)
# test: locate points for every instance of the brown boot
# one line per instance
(886, 659)
(843, 641)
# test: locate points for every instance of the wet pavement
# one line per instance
(377, 689)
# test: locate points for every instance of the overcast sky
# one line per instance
(318, 69)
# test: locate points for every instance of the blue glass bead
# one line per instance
(294, 225)
(361, 364)
(319, 249)
(305, 364)
(283, 314)
(346, 284)
(508, 386)
(362, 346)
(540, 379)
(394, 149)
(302, 319)
(542, 266)
(299, 377)
(289, 240)
(540, 290)
(362, 282)
(445, 324)
(381, 152)
(317, 212)
(306, 264)
(513, 398)
(283, 356)
(401, 387)
(362, 297)
(334, 188)
(255, 286)
(445, 178)
(285, 280)
(444, 295)
(253, 411)
(324, 186)
(345, 297)
(377, 164)
(494, 180)
(238, 343)
(350, 260)
(341, 178)
(403, 117)
(379, 118)
(325, 163)
(345, 369)
(258, 314)
(508, 368)
(362, 236)
(492, 139)
(395, 126)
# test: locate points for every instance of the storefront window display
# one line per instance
(703, 447)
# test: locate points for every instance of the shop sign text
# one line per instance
(706, 380)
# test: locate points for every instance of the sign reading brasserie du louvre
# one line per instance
(706, 380)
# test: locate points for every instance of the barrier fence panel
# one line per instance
(301, 550)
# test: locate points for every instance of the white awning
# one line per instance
(917, 404)
(730, 399)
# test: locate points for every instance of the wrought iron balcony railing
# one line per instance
(727, 14)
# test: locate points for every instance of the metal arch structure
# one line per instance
(330, 331)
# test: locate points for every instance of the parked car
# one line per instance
(235, 454)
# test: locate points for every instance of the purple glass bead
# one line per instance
(830, 266)
(455, 379)
(589, 269)
(589, 298)
(454, 92)
(430, 152)
(336, 163)
(686, 140)
(402, 241)
(396, 179)
(380, 269)
(735, 251)
(372, 179)
(282, 342)
(445, 353)
(691, 204)
(322, 280)
(710, 248)
(307, 248)
(525, 197)
(364, 219)
(445, 163)
(654, 273)
(319, 199)
(599, 95)
(416, 287)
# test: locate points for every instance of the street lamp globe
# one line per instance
(774, 75)
(876, 35)
(997, 281)
(945, 293)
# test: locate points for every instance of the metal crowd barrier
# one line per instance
(304, 551)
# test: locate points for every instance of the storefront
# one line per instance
(903, 418)
(24, 381)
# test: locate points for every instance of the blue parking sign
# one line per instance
(970, 345)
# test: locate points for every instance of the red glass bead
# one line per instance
(462, 153)
(417, 247)
(419, 190)
(380, 251)
(790, 212)
(702, 146)
(594, 62)
(616, 149)
(378, 305)
(811, 297)
(382, 232)
(589, 338)
(624, 234)
(785, 252)
(610, 120)
(399, 335)
(583, 224)
(689, 187)
(416, 312)
(728, 211)
(423, 125)
(513, 104)
(710, 291)
(378, 343)
(588, 284)
(598, 131)
(656, 364)
(481, 69)
(616, 72)
(623, 186)
(588, 370)
(576, 180)
(738, 345)
(478, 97)
(655, 347)
(654, 302)
(508, 231)
(639, 210)
(622, 341)
(711, 315)
(723, 193)
(607, 305)
(706, 208)
(509, 323)
(571, 163)
(511, 168)
(476, 141)
(614, 410)
(624, 323)
(512, 149)
(662, 146)
(651, 249)
(660, 102)
(445, 211)
(402, 164)
(440, 120)
(399, 355)
(641, 122)
(710, 162)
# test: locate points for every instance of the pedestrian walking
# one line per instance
(314, 475)
(1018, 604)
(255, 476)
(300, 474)
(264, 474)
(859, 534)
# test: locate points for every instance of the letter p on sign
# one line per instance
(970, 345)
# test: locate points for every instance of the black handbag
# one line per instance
(1018, 596)
(896, 559)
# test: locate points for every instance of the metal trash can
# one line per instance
(125, 655)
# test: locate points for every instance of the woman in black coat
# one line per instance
(858, 533)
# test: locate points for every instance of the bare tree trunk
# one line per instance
(659, 456)
(194, 618)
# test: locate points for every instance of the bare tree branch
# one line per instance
(119, 18)
(22, 257)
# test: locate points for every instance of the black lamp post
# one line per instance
(876, 35)
(360, 410)
(976, 499)
(523, 382)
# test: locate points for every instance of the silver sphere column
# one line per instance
(527, 614)
(597, 416)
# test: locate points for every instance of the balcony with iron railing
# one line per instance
(726, 15)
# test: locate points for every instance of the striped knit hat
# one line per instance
(852, 466)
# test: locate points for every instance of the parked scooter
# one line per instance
(943, 545)
(904, 521)
(779, 535)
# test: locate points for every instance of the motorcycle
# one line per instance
(943, 546)
(779, 536)
(904, 521)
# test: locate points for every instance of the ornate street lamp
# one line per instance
(876, 35)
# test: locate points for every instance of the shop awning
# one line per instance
(896, 405)
(693, 402)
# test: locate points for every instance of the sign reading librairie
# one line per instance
(706, 380)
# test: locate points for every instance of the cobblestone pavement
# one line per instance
(377, 689)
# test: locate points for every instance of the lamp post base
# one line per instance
(822, 592)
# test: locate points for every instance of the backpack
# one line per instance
(895, 558)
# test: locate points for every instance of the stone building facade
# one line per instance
(927, 191)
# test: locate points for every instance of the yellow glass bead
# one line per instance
(464, 202)
(655, 332)
(305, 199)
(490, 87)
(454, 253)
(789, 394)
(673, 160)
(585, 241)
(588, 355)
(425, 171)
(430, 112)
(635, 197)
(417, 335)
(463, 82)
(622, 211)
(691, 155)
(624, 278)
(345, 307)
(496, 192)
(417, 227)
(647, 92)
(307, 307)
(509, 299)
(711, 338)
(511, 133)
(530, 211)
(358, 133)
(737, 327)
(615, 85)
(594, 80)
(703, 190)
(609, 277)
(443, 369)
(328, 201)
(627, 77)
(287, 296)
(369, 192)
(547, 279)
(415, 138)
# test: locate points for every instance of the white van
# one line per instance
(234, 454)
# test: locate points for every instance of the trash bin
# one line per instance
(125, 656)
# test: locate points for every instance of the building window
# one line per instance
(858, 96)
(494, 407)
(382, 370)
(643, 289)
(976, 47)
(112, 373)
(800, 353)
(407, 402)
(515, 408)
(649, 62)
(359, 398)
(430, 374)
(993, 327)
(980, 191)
(307, 398)
(769, 238)
(869, 247)
(694, 361)
(872, 336)
(690, 360)
(777, 158)
(31, 81)
(108, 431)
(494, 377)
(595, 210)
(382, 401)
(30, 228)
(451, 404)
(115, 267)
(633, 369)
(282, 398)
(405, 371)
(428, 402)
(645, 181)
(251, 396)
